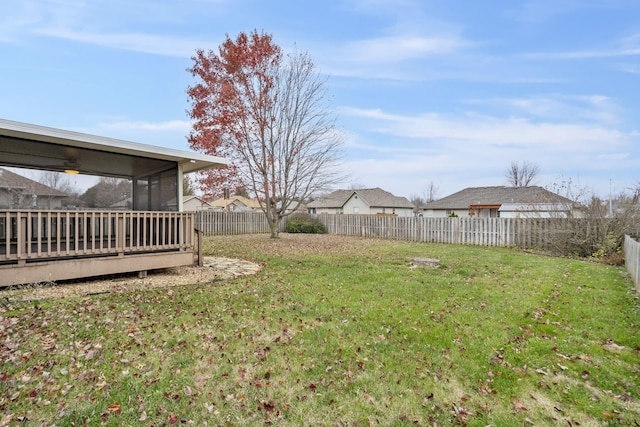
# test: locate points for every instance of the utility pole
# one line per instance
(610, 201)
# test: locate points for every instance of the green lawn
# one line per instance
(339, 332)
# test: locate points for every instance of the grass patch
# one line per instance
(336, 331)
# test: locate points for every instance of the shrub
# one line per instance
(596, 234)
(305, 223)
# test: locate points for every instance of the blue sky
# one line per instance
(442, 91)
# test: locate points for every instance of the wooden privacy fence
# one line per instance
(542, 233)
(224, 223)
(632, 259)
(528, 233)
(486, 231)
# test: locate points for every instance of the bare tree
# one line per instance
(635, 194)
(57, 180)
(431, 192)
(107, 192)
(418, 203)
(270, 117)
(188, 188)
(522, 174)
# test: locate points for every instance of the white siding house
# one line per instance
(536, 210)
(503, 202)
(235, 204)
(369, 201)
(195, 203)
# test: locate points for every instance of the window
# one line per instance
(356, 210)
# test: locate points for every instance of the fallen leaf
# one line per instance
(519, 406)
(114, 408)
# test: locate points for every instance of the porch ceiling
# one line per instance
(38, 147)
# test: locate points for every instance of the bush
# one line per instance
(305, 223)
(596, 234)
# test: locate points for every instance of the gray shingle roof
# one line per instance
(496, 196)
(374, 197)
(10, 180)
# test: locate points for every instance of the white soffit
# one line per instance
(190, 161)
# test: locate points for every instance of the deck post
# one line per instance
(121, 232)
(200, 237)
(23, 236)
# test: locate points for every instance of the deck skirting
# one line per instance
(67, 269)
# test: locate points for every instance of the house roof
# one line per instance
(186, 199)
(223, 203)
(14, 181)
(463, 199)
(40, 147)
(374, 197)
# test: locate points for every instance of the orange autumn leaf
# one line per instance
(114, 408)
(519, 406)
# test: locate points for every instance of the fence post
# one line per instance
(632, 259)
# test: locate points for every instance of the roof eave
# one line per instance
(191, 162)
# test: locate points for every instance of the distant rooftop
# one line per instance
(374, 197)
(496, 196)
(14, 181)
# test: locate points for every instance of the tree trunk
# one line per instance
(274, 225)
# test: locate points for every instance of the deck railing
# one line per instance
(57, 234)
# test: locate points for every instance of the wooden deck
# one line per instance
(44, 246)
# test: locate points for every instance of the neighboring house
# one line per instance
(189, 204)
(370, 201)
(503, 202)
(195, 203)
(18, 192)
(294, 207)
(235, 204)
(124, 204)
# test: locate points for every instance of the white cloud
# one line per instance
(629, 68)
(625, 47)
(558, 107)
(146, 43)
(540, 11)
(171, 125)
(399, 48)
(492, 131)
(460, 150)
(98, 24)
